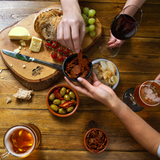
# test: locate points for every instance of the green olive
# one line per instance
(70, 109)
(67, 97)
(72, 95)
(62, 101)
(54, 107)
(57, 101)
(62, 111)
(74, 101)
(63, 91)
(51, 97)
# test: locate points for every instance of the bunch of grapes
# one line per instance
(89, 19)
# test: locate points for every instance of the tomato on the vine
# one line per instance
(54, 45)
(54, 54)
(48, 44)
(60, 49)
(60, 58)
(71, 53)
(65, 51)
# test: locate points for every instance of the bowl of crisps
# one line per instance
(106, 72)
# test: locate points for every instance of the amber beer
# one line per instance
(147, 94)
(22, 140)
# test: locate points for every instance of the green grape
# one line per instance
(92, 33)
(92, 27)
(91, 20)
(87, 29)
(91, 13)
(85, 10)
(85, 18)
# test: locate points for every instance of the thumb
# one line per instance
(85, 83)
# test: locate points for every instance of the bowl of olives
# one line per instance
(62, 100)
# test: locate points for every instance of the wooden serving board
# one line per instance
(35, 76)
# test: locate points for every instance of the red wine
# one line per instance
(123, 27)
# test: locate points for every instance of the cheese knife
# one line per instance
(30, 59)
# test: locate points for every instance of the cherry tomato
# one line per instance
(48, 44)
(60, 58)
(65, 51)
(65, 56)
(54, 45)
(54, 54)
(71, 53)
(60, 49)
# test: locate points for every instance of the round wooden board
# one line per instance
(35, 76)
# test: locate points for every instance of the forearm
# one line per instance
(138, 3)
(70, 5)
(141, 131)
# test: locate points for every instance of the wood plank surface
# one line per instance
(62, 138)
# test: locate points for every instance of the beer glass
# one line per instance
(145, 95)
(21, 140)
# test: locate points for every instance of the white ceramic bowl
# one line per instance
(117, 71)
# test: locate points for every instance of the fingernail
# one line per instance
(79, 79)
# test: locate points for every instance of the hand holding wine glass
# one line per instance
(123, 27)
(114, 42)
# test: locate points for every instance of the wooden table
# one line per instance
(62, 138)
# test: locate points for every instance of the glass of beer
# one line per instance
(145, 95)
(21, 140)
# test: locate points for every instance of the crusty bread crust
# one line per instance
(47, 20)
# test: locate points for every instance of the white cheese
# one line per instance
(23, 43)
(35, 45)
(17, 50)
(19, 33)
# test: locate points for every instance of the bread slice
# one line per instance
(47, 20)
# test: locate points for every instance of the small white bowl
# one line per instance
(117, 71)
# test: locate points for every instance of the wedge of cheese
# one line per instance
(35, 45)
(19, 33)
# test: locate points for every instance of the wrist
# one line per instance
(112, 103)
(70, 6)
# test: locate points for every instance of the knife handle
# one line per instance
(57, 66)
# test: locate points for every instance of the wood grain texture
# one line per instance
(137, 61)
(36, 76)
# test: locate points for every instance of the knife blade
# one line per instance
(30, 59)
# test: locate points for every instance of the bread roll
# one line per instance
(47, 20)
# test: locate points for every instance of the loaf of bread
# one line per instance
(46, 22)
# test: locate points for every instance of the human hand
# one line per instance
(114, 42)
(93, 88)
(71, 30)
(158, 77)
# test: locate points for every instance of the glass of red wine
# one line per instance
(123, 26)
(145, 95)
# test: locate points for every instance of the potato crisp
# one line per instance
(106, 72)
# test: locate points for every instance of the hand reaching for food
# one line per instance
(94, 89)
(71, 30)
(114, 42)
(158, 77)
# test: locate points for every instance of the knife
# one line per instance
(30, 59)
